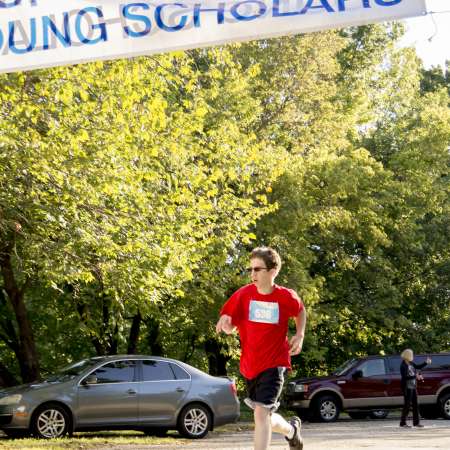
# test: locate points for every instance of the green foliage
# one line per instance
(132, 191)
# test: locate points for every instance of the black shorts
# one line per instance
(265, 389)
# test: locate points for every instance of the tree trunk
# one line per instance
(27, 354)
(134, 333)
(6, 377)
(217, 361)
(154, 343)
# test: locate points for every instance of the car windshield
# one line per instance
(71, 371)
(344, 367)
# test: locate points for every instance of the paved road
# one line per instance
(344, 434)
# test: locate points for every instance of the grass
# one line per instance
(107, 439)
(100, 440)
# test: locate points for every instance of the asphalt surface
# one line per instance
(345, 434)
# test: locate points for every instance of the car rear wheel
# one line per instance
(50, 421)
(194, 421)
(326, 409)
(445, 406)
(379, 414)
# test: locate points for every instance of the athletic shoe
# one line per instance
(296, 443)
(405, 425)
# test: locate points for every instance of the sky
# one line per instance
(430, 34)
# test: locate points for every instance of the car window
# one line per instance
(394, 363)
(180, 374)
(71, 371)
(344, 367)
(116, 372)
(438, 362)
(156, 371)
(373, 367)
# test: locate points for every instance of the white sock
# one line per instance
(291, 433)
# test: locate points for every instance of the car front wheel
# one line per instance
(327, 409)
(194, 421)
(445, 406)
(50, 421)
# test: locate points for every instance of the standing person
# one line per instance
(408, 371)
(261, 311)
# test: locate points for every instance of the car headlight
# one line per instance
(11, 399)
(301, 388)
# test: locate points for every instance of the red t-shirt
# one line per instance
(262, 321)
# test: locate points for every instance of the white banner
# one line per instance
(43, 33)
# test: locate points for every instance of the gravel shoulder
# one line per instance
(345, 434)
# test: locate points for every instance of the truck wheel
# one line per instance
(326, 409)
(445, 406)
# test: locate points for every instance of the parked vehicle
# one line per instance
(151, 394)
(370, 386)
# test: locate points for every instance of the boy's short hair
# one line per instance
(270, 257)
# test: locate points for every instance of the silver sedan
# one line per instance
(152, 394)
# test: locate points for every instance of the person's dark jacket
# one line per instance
(404, 372)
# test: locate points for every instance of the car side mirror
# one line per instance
(90, 379)
(357, 374)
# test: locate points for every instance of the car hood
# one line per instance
(311, 380)
(24, 388)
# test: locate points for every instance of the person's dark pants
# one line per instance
(410, 397)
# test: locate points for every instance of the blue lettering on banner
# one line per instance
(13, 3)
(387, 2)
(324, 4)
(63, 38)
(235, 13)
(32, 40)
(165, 27)
(220, 13)
(138, 17)
(102, 26)
(277, 13)
(264, 312)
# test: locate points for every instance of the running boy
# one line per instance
(261, 311)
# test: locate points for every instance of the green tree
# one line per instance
(117, 179)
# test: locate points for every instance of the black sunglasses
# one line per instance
(255, 269)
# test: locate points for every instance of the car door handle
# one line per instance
(131, 391)
(179, 389)
(387, 381)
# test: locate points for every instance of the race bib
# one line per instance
(264, 312)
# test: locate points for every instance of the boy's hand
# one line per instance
(224, 324)
(295, 344)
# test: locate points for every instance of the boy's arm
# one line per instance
(229, 314)
(225, 324)
(296, 341)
